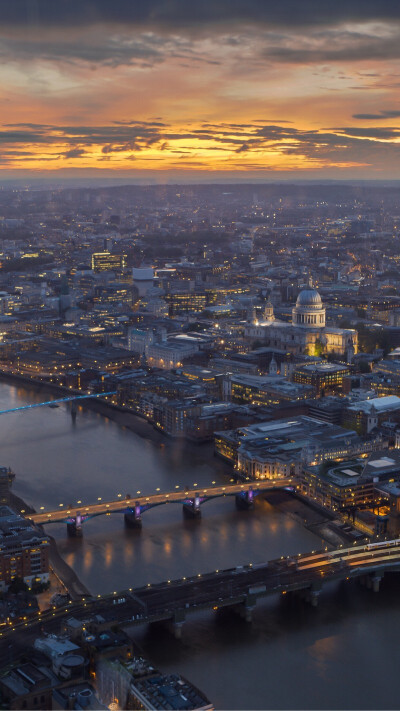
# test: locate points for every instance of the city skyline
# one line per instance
(218, 91)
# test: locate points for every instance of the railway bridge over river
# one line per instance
(172, 601)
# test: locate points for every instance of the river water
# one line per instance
(343, 655)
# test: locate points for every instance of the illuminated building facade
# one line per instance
(105, 261)
(270, 450)
(24, 552)
(352, 483)
(307, 333)
(324, 377)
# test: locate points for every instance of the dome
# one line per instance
(309, 309)
(309, 297)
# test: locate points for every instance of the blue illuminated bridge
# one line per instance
(133, 506)
(49, 403)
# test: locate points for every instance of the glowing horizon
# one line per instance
(137, 90)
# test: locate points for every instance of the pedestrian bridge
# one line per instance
(133, 506)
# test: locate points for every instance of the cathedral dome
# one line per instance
(309, 309)
(309, 297)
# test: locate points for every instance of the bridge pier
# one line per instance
(371, 581)
(74, 527)
(74, 410)
(375, 582)
(245, 500)
(245, 608)
(191, 508)
(175, 625)
(133, 517)
(312, 595)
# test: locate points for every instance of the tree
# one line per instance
(17, 585)
(364, 367)
(318, 348)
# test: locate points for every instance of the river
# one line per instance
(342, 655)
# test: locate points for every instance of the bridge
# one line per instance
(133, 507)
(49, 403)
(237, 588)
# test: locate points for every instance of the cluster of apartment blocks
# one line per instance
(333, 466)
(24, 551)
(91, 664)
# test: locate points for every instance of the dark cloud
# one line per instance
(332, 45)
(183, 14)
(148, 32)
(375, 146)
(381, 115)
(74, 153)
(101, 47)
(387, 133)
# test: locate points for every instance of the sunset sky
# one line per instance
(200, 89)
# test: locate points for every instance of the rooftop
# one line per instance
(381, 404)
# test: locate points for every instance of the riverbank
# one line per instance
(61, 570)
(317, 520)
(121, 416)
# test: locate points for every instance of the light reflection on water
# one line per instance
(342, 655)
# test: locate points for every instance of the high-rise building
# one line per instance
(105, 261)
(24, 552)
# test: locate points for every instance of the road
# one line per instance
(63, 513)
